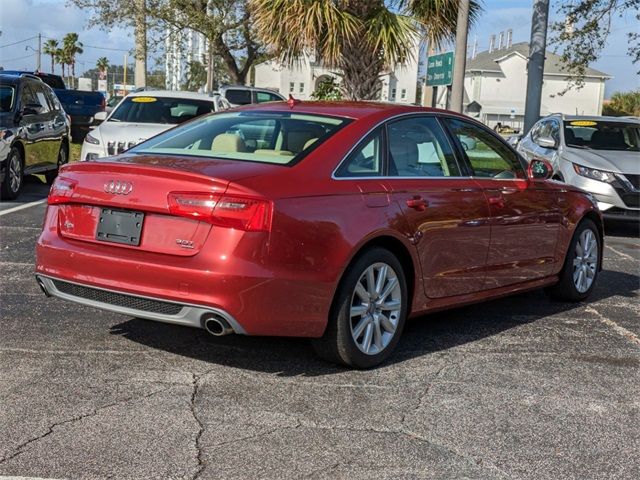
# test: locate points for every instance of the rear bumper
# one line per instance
(231, 275)
(135, 305)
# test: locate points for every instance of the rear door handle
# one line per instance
(417, 203)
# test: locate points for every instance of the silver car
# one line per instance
(598, 154)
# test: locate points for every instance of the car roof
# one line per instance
(595, 118)
(173, 94)
(249, 87)
(8, 78)
(354, 110)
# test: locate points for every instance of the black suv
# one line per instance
(34, 132)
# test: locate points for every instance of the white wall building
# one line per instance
(302, 78)
(496, 87)
(181, 47)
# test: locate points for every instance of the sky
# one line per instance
(22, 19)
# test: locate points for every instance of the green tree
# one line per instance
(583, 29)
(623, 104)
(50, 47)
(196, 76)
(360, 38)
(62, 58)
(72, 47)
(327, 89)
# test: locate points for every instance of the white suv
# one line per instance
(142, 115)
(598, 154)
(238, 95)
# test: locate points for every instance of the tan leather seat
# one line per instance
(310, 142)
(228, 142)
(266, 151)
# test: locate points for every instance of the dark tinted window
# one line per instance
(150, 109)
(598, 135)
(365, 160)
(41, 92)
(52, 80)
(488, 156)
(418, 148)
(27, 95)
(238, 97)
(7, 97)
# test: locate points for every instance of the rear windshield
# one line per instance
(602, 135)
(167, 110)
(7, 98)
(266, 137)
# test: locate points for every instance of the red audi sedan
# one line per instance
(334, 221)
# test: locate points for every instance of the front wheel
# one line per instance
(368, 313)
(581, 266)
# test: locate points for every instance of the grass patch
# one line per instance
(74, 152)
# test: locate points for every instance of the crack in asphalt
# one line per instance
(20, 449)
(195, 384)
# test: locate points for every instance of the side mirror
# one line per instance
(100, 116)
(547, 142)
(31, 109)
(539, 169)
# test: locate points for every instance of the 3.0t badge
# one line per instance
(118, 187)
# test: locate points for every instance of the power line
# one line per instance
(19, 41)
(105, 48)
(16, 58)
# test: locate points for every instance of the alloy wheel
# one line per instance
(15, 173)
(376, 305)
(585, 261)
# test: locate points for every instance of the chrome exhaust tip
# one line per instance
(42, 287)
(216, 325)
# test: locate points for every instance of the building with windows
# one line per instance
(303, 76)
(496, 87)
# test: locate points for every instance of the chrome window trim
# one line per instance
(388, 120)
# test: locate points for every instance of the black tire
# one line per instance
(566, 288)
(338, 345)
(63, 158)
(13, 175)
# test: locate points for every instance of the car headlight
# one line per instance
(594, 174)
(91, 139)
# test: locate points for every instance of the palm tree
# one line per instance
(50, 47)
(361, 38)
(102, 64)
(62, 59)
(72, 47)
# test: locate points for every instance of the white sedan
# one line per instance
(142, 115)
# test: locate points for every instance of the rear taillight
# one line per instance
(61, 191)
(230, 211)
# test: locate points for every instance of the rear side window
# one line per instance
(7, 98)
(365, 160)
(488, 156)
(238, 96)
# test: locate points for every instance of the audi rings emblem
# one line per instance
(118, 187)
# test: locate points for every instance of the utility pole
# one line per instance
(460, 60)
(39, 63)
(535, 67)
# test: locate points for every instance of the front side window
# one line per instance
(365, 160)
(258, 136)
(418, 148)
(487, 155)
(7, 97)
(602, 135)
(163, 110)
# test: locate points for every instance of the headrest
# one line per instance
(228, 142)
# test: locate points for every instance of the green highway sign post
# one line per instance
(440, 69)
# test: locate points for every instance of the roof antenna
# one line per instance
(292, 101)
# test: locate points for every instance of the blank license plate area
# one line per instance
(120, 226)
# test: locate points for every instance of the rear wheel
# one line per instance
(368, 313)
(581, 267)
(63, 158)
(13, 175)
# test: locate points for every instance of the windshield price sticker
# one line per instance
(144, 99)
(583, 123)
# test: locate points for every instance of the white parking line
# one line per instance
(22, 207)
(629, 335)
(629, 257)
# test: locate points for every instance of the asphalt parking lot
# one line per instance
(516, 388)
